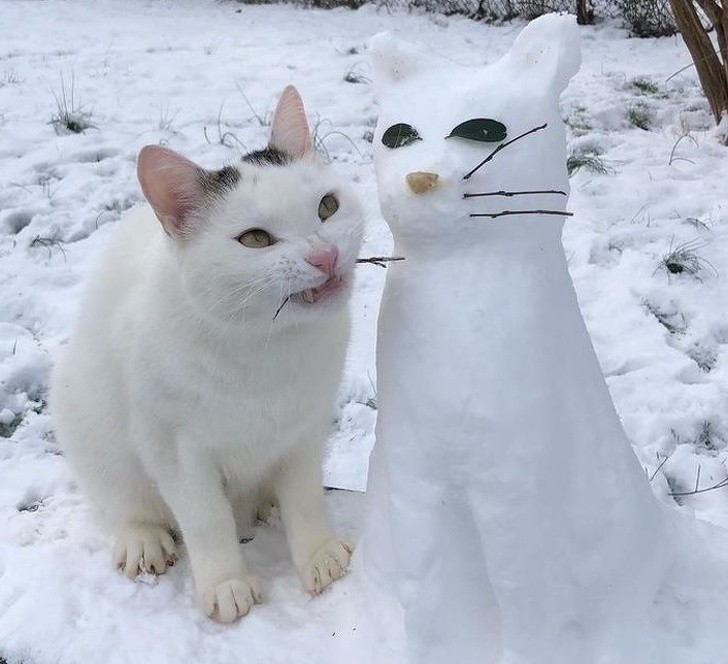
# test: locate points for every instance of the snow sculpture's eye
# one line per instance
(256, 238)
(327, 207)
(484, 130)
(399, 135)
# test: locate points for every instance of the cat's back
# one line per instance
(120, 270)
(93, 356)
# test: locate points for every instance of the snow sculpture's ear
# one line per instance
(289, 131)
(392, 61)
(172, 184)
(549, 47)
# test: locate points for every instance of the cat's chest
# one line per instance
(244, 394)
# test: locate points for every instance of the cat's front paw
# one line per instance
(229, 600)
(326, 565)
(144, 547)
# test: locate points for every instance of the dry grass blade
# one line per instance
(283, 304)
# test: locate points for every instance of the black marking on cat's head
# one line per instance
(268, 157)
(217, 183)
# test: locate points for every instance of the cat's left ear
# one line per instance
(549, 47)
(289, 131)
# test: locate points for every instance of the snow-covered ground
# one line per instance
(647, 246)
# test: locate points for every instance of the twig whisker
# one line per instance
(515, 193)
(508, 213)
(503, 146)
(380, 260)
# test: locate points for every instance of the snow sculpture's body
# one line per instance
(509, 515)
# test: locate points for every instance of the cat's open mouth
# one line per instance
(313, 295)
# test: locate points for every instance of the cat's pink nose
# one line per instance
(324, 258)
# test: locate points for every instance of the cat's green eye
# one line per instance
(328, 207)
(399, 135)
(484, 130)
(256, 238)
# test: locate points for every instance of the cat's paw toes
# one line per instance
(231, 599)
(144, 548)
(326, 565)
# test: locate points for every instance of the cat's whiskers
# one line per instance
(509, 194)
(511, 213)
(231, 299)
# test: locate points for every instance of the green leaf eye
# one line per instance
(256, 238)
(484, 130)
(399, 135)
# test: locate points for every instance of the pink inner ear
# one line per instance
(170, 183)
(289, 132)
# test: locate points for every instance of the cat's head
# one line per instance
(439, 121)
(274, 237)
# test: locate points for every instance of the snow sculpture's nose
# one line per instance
(324, 257)
(421, 182)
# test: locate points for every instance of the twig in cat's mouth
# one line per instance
(502, 146)
(515, 193)
(507, 213)
(283, 304)
(380, 260)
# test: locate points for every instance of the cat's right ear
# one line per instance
(171, 184)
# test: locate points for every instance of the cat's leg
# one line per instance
(133, 508)
(319, 556)
(96, 443)
(194, 490)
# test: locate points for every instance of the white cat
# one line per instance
(201, 375)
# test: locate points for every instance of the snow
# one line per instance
(152, 71)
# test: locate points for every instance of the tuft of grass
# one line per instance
(645, 86)
(70, 116)
(49, 244)
(591, 162)
(7, 430)
(704, 356)
(354, 75)
(709, 437)
(578, 120)
(264, 120)
(683, 258)
(697, 224)
(320, 136)
(167, 118)
(224, 136)
(639, 117)
(673, 321)
(10, 77)
(685, 135)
